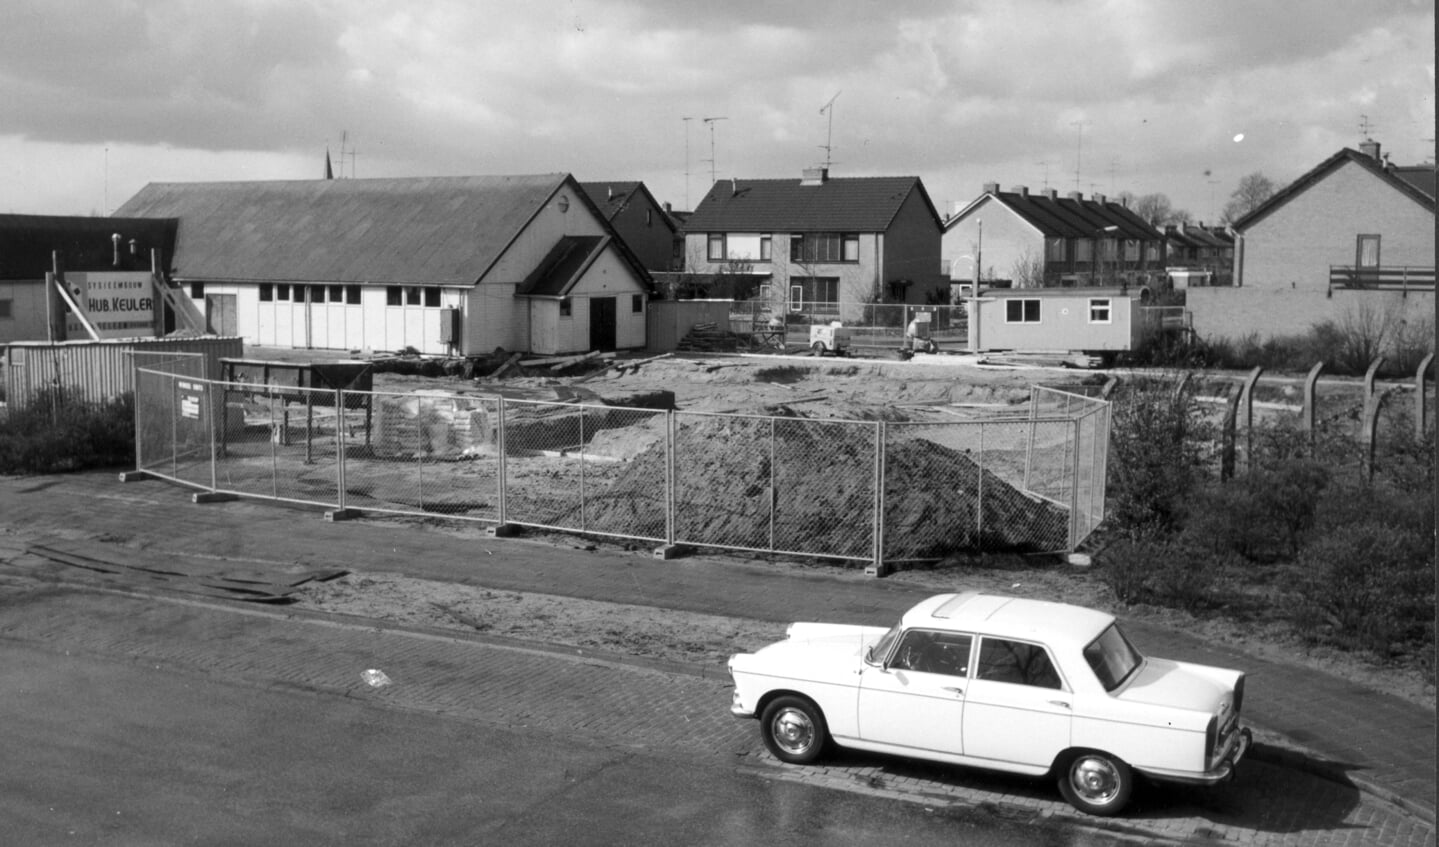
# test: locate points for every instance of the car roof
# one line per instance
(1011, 617)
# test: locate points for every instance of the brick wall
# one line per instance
(1235, 313)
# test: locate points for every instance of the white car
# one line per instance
(997, 682)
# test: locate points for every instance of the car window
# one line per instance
(1112, 658)
(1018, 662)
(928, 651)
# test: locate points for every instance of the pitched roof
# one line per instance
(1069, 216)
(1412, 189)
(563, 266)
(413, 231)
(847, 204)
(28, 243)
(611, 198)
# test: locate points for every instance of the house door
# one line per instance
(220, 315)
(602, 323)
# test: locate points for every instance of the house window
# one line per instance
(1109, 249)
(649, 217)
(6, 309)
(826, 247)
(352, 295)
(1366, 253)
(716, 247)
(432, 298)
(1099, 310)
(394, 295)
(197, 290)
(1054, 249)
(267, 292)
(819, 291)
(337, 294)
(1151, 252)
(282, 291)
(1021, 311)
(1083, 250)
(566, 307)
(1131, 250)
(764, 248)
(637, 303)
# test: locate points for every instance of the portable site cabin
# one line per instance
(1101, 321)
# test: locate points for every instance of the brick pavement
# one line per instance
(1353, 736)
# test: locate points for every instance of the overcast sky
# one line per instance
(1181, 98)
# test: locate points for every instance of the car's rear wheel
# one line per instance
(1096, 783)
(794, 730)
(817, 348)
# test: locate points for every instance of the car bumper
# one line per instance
(1235, 749)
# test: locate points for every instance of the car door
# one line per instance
(1017, 707)
(915, 700)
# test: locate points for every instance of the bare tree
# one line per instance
(1028, 270)
(1253, 190)
(1158, 211)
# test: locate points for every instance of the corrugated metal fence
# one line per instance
(867, 491)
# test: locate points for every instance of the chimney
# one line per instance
(1370, 148)
(814, 176)
(733, 186)
(1051, 194)
(1075, 195)
(1021, 190)
(668, 207)
(991, 188)
(1098, 198)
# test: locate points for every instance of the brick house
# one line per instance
(1198, 255)
(1045, 240)
(830, 243)
(1352, 237)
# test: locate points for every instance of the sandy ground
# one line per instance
(927, 388)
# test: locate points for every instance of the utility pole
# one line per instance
(687, 120)
(712, 122)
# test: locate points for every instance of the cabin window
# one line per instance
(337, 294)
(566, 307)
(6, 309)
(317, 294)
(637, 303)
(432, 298)
(197, 290)
(1019, 311)
(282, 291)
(352, 295)
(1099, 310)
(394, 295)
(267, 292)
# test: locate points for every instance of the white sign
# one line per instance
(119, 304)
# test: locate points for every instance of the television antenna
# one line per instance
(712, 122)
(1078, 149)
(828, 108)
(344, 154)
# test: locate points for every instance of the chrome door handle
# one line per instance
(959, 691)
(1059, 703)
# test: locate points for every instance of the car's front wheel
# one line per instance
(1096, 783)
(794, 730)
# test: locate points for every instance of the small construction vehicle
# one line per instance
(832, 338)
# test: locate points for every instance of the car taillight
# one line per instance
(1211, 737)
(1239, 695)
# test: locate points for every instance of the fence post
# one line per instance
(877, 567)
(1247, 400)
(1226, 454)
(1073, 540)
(1372, 402)
(340, 450)
(500, 450)
(1421, 409)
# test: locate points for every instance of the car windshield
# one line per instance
(880, 648)
(1112, 658)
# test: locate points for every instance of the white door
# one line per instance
(1016, 706)
(917, 699)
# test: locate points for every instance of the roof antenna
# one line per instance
(711, 122)
(829, 134)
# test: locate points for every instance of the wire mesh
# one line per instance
(277, 441)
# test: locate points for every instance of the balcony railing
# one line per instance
(1382, 278)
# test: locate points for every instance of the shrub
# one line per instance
(1156, 435)
(1160, 569)
(55, 433)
